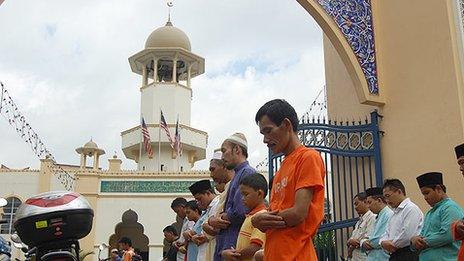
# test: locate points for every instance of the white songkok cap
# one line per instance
(3, 202)
(217, 154)
(239, 139)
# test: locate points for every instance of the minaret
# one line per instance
(166, 66)
(90, 149)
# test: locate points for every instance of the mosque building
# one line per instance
(401, 62)
(133, 203)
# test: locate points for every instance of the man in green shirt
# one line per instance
(457, 228)
(435, 241)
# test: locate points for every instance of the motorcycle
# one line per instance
(5, 248)
(50, 224)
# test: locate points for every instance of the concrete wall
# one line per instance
(173, 99)
(21, 184)
(419, 67)
(153, 214)
(194, 142)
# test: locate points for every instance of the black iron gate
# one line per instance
(351, 153)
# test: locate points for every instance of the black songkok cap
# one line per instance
(200, 186)
(459, 151)
(376, 191)
(431, 178)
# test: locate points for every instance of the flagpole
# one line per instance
(178, 144)
(154, 160)
(141, 141)
(173, 148)
(159, 142)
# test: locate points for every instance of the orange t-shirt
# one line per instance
(303, 168)
(127, 256)
(457, 236)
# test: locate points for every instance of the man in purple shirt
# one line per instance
(234, 155)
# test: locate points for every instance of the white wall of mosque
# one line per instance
(194, 143)
(153, 213)
(189, 136)
(22, 184)
(173, 99)
(165, 160)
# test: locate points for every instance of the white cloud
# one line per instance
(65, 64)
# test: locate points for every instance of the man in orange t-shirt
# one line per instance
(125, 244)
(297, 196)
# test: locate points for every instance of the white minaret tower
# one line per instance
(167, 66)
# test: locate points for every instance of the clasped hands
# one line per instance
(367, 245)
(388, 246)
(197, 239)
(460, 228)
(419, 242)
(268, 220)
(353, 243)
(219, 222)
(231, 254)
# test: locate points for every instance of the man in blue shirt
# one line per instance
(234, 154)
(377, 205)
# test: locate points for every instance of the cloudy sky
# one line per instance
(65, 65)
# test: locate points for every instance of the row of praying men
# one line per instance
(237, 224)
(392, 227)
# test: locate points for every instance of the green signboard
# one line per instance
(143, 186)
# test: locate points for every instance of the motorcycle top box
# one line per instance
(53, 216)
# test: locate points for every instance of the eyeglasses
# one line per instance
(387, 195)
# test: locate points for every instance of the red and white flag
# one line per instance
(146, 140)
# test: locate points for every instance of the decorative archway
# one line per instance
(349, 26)
(131, 228)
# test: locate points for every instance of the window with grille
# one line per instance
(8, 214)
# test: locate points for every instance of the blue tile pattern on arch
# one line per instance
(354, 19)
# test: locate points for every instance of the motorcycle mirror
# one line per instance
(3, 202)
(102, 246)
(15, 238)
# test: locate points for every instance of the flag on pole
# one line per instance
(146, 139)
(177, 143)
(164, 125)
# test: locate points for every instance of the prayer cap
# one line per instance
(459, 150)
(200, 186)
(239, 139)
(431, 178)
(375, 191)
(3, 202)
(217, 155)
